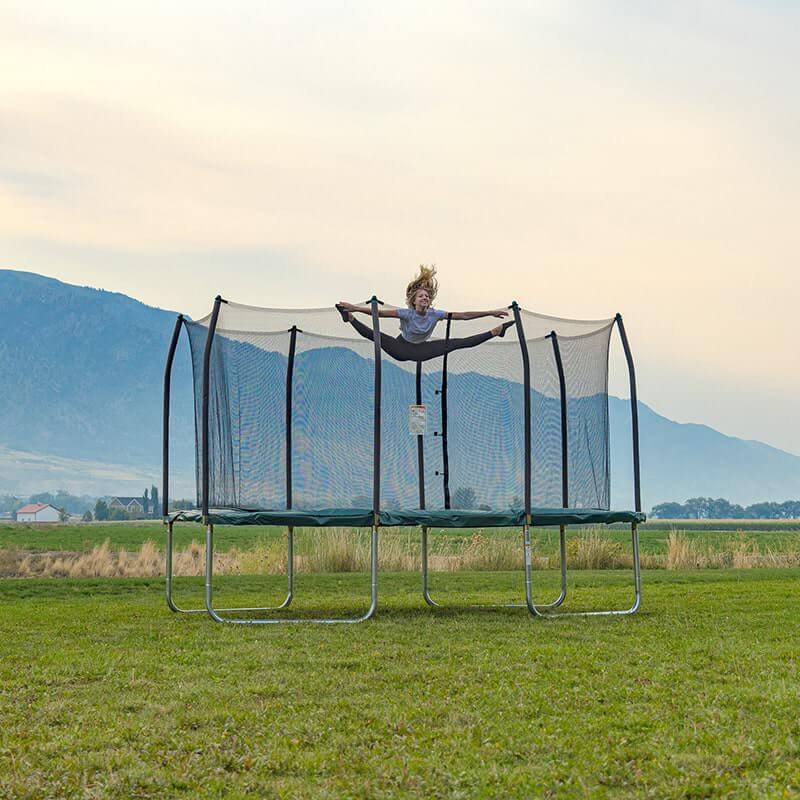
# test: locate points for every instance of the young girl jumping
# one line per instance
(418, 320)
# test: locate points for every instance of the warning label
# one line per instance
(416, 420)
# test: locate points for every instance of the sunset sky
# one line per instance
(581, 158)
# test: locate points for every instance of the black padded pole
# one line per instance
(637, 486)
(176, 332)
(526, 376)
(376, 440)
(420, 445)
(562, 388)
(289, 375)
(212, 327)
(445, 454)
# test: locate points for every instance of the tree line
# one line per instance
(710, 508)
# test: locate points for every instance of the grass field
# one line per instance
(106, 694)
(776, 534)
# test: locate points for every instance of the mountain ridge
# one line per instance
(94, 396)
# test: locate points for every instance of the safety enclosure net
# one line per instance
(292, 402)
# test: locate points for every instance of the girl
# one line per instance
(418, 320)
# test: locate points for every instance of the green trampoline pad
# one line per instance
(451, 518)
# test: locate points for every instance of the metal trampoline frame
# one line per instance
(537, 610)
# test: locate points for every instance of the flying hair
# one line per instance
(426, 279)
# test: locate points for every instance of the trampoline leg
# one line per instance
(526, 547)
(562, 549)
(425, 593)
(214, 613)
(173, 606)
(637, 589)
(168, 570)
(289, 568)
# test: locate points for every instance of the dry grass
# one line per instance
(593, 551)
(681, 552)
(739, 553)
(348, 550)
(103, 562)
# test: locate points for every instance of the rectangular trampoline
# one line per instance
(304, 420)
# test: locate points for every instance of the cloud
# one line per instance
(577, 158)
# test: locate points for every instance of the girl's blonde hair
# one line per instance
(425, 280)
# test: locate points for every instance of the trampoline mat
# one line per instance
(452, 518)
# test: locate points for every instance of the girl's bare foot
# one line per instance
(497, 331)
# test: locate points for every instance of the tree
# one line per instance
(145, 503)
(101, 510)
(63, 516)
(668, 511)
(87, 516)
(709, 508)
(154, 500)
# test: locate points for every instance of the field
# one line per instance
(94, 550)
(131, 535)
(107, 694)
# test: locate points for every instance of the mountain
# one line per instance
(683, 460)
(81, 409)
(82, 371)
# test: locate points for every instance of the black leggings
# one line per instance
(401, 349)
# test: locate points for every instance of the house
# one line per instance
(130, 505)
(38, 512)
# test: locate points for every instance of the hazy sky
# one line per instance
(582, 158)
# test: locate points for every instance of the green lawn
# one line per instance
(104, 693)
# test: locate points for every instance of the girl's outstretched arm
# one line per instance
(389, 312)
(497, 312)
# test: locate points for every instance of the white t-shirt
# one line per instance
(416, 327)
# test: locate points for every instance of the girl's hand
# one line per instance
(501, 312)
(345, 305)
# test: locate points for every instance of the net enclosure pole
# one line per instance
(526, 381)
(376, 469)
(212, 327)
(420, 445)
(176, 332)
(443, 392)
(562, 389)
(637, 485)
(376, 431)
(293, 331)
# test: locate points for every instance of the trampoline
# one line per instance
(305, 419)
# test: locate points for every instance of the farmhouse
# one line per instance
(37, 512)
(131, 505)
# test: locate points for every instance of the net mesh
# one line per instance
(473, 446)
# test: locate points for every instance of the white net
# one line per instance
(475, 461)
